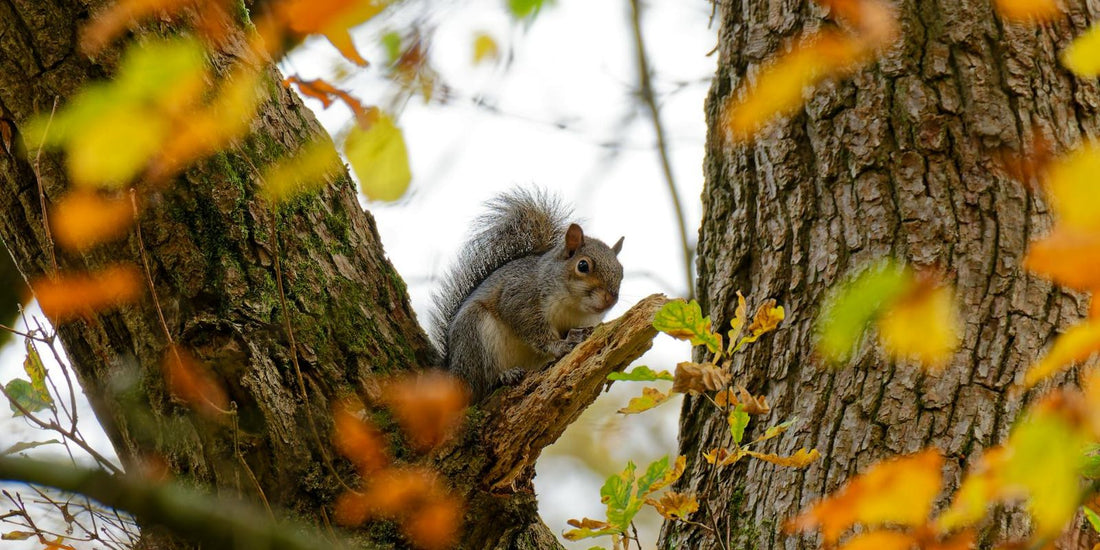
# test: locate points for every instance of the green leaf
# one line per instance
(36, 371)
(641, 374)
(524, 9)
(391, 42)
(22, 392)
(685, 321)
(655, 473)
(25, 445)
(1094, 520)
(854, 304)
(380, 159)
(738, 420)
(617, 493)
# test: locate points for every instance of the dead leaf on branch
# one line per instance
(699, 377)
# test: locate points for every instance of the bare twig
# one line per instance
(645, 86)
(42, 191)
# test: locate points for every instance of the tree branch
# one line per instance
(186, 512)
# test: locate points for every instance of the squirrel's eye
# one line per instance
(582, 266)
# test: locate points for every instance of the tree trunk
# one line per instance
(892, 161)
(213, 245)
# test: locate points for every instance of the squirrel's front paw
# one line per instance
(511, 377)
(578, 335)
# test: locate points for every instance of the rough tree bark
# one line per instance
(209, 239)
(895, 160)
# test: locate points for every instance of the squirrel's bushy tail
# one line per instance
(517, 223)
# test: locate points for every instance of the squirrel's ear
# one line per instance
(574, 238)
(618, 247)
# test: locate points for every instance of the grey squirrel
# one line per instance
(523, 281)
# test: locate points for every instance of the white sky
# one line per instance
(574, 66)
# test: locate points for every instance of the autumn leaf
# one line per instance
(779, 87)
(36, 372)
(1044, 457)
(1067, 257)
(587, 528)
(191, 382)
(485, 48)
(331, 18)
(1082, 56)
(1027, 11)
(82, 219)
(1071, 180)
(881, 540)
(379, 159)
(307, 171)
(896, 491)
(327, 94)
(976, 493)
(1076, 344)
(923, 325)
(674, 505)
(358, 440)
(641, 373)
(800, 459)
(22, 392)
(737, 325)
(723, 457)
(851, 306)
(82, 295)
(874, 21)
(669, 475)
(428, 407)
(685, 321)
(767, 318)
(777, 430)
(738, 419)
(754, 405)
(436, 525)
(699, 377)
(651, 397)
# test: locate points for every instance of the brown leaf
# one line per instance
(723, 457)
(752, 405)
(699, 377)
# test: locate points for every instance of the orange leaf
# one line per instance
(327, 93)
(106, 25)
(1033, 11)
(395, 492)
(873, 20)
(359, 440)
(880, 540)
(800, 459)
(83, 295)
(779, 87)
(429, 407)
(896, 491)
(436, 525)
(674, 505)
(190, 382)
(85, 218)
(1067, 257)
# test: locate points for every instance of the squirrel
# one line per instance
(523, 281)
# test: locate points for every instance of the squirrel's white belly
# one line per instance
(503, 345)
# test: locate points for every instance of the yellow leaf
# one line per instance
(738, 322)
(116, 149)
(651, 397)
(1077, 343)
(1082, 56)
(896, 491)
(674, 505)
(1044, 456)
(976, 493)
(671, 475)
(723, 457)
(880, 540)
(1072, 191)
(1067, 257)
(800, 459)
(1033, 11)
(767, 317)
(305, 172)
(485, 48)
(923, 325)
(379, 158)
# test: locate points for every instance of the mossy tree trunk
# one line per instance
(893, 161)
(212, 251)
